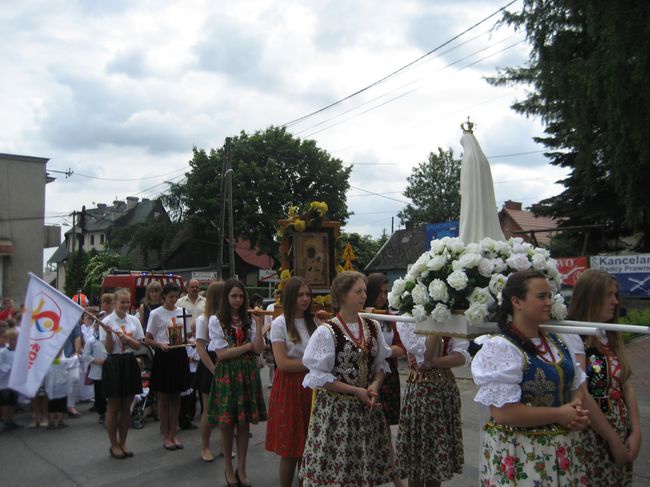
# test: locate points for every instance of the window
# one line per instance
(92, 240)
(101, 238)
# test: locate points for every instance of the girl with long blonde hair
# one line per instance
(205, 370)
(614, 440)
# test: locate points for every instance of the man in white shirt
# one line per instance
(192, 302)
(194, 305)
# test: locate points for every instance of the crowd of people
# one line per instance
(559, 409)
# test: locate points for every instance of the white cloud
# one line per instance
(124, 89)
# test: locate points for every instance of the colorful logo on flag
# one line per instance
(46, 317)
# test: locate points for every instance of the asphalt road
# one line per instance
(78, 455)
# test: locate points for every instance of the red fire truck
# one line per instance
(136, 282)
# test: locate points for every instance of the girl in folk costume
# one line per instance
(236, 396)
(170, 372)
(430, 441)
(290, 402)
(152, 300)
(121, 335)
(389, 394)
(348, 439)
(531, 384)
(614, 440)
(205, 370)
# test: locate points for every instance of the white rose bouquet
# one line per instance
(456, 276)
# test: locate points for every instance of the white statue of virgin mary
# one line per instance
(478, 208)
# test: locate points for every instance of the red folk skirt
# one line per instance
(288, 418)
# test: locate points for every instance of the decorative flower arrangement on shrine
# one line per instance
(323, 300)
(310, 217)
(456, 276)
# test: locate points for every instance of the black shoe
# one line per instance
(121, 456)
(241, 484)
(231, 484)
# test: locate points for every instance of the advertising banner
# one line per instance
(571, 267)
(631, 271)
(439, 230)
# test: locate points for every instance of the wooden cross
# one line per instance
(184, 315)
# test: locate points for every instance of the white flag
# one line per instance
(48, 319)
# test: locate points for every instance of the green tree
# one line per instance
(588, 71)
(434, 188)
(272, 170)
(365, 247)
(99, 265)
(75, 268)
(150, 237)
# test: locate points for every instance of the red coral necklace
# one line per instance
(358, 341)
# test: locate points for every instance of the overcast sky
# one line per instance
(124, 90)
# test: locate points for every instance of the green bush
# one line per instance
(635, 317)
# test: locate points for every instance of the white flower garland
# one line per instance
(454, 275)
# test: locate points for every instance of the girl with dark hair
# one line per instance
(236, 396)
(613, 442)
(347, 443)
(170, 372)
(205, 370)
(531, 384)
(389, 394)
(290, 403)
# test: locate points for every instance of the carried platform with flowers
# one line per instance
(453, 289)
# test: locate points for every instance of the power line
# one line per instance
(463, 109)
(408, 92)
(360, 195)
(516, 154)
(397, 71)
(394, 90)
(29, 218)
(379, 194)
(171, 181)
(383, 95)
(88, 176)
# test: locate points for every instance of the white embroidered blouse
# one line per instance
(279, 335)
(218, 338)
(498, 370)
(320, 355)
(416, 344)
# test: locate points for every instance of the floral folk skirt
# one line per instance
(602, 470)
(430, 439)
(236, 395)
(289, 409)
(545, 457)
(389, 394)
(347, 444)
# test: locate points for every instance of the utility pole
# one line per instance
(82, 227)
(224, 200)
(74, 230)
(231, 232)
